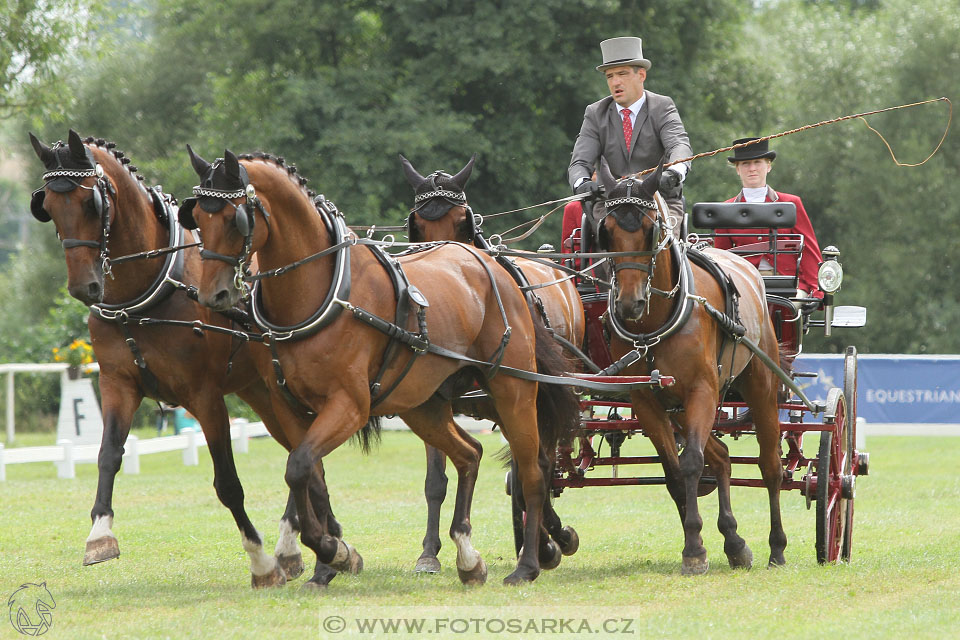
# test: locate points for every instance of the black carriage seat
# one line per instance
(753, 216)
(744, 215)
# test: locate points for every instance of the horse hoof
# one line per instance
(475, 576)
(314, 586)
(520, 577)
(552, 561)
(776, 562)
(291, 565)
(573, 542)
(696, 566)
(427, 564)
(347, 560)
(101, 550)
(743, 559)
(275, 578)
(355, 565)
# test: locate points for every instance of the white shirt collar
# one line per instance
(755, 194)
(634, 108)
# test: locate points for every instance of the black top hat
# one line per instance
(753, 151)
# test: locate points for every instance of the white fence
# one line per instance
(66, 455)
(12, 369)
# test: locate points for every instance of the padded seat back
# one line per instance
(744, 215)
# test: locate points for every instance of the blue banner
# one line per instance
(891, 388)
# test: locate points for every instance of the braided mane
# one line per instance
(111, 147)
(280, 162)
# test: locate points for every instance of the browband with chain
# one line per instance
(647, 204)
(441, 193)
(70, 173)
(218, 193)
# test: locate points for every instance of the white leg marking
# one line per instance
(287, 544)
(467, 556)
(260, 563)
(101, 528)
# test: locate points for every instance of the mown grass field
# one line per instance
(182, 572)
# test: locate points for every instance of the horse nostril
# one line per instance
(95, 292)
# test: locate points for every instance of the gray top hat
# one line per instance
(625, 51)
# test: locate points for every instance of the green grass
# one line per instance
(182, 572)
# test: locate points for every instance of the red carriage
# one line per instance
(826, 478)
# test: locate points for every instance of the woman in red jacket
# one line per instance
(753, 163)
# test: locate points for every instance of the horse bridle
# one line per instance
(660, 234)
(101, 204)
(244, 218)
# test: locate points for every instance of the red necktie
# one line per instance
(627, 127)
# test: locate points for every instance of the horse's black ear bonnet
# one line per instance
(437, 193)
(64, 163)
(630, 190)
(218, 182)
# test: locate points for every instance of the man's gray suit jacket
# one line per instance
(657, 130)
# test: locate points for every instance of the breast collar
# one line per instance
(165, 284)
(337, 296)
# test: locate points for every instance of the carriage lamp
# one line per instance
(830, 275)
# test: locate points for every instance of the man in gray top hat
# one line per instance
(632, 129)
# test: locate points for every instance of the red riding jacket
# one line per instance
(809, 261)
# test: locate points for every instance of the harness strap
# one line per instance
(575, 350)
(150, 384)
(422, 322)
(400, 291)
(521, 279)
(573, 380)
(291, 399)
(497, 357)
(197, 326)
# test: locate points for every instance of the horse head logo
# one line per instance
(31, 609)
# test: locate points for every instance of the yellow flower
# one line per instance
(77, 353)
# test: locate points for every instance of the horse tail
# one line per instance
(369, 434)
(558, 408)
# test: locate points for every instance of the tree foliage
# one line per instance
(36, 38)
(339, 88)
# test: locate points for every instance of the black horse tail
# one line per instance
(368, 435)
(558, 407)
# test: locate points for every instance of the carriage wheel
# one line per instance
(834, 482)
(850, 398)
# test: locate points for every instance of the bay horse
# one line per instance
(686, 317)
(441, 213)
(340, 368)
(146, 330)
